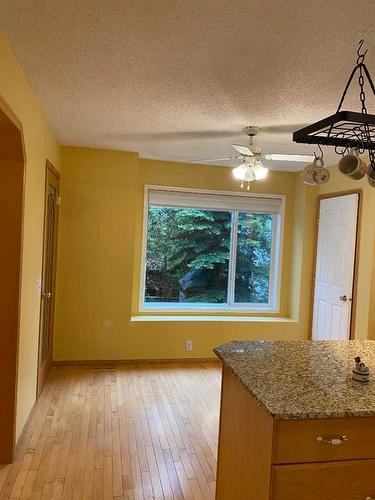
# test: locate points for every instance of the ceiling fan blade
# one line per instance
(282, 157)
(242, 149)
(229, 158)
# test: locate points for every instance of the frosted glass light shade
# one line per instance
(260, 171)
(244, 173)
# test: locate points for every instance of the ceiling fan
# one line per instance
(251, 167)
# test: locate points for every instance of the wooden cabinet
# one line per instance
(261, 458)
(347, 480)
(245, 444)
(297, 440)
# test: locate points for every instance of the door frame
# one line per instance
(48, 169)
(353, 312)
(7, 451)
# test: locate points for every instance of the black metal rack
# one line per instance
(343, 129)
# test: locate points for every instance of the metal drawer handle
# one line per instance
(333, 442)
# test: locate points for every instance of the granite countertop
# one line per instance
(304, 379)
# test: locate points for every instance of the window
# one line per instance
(206, 250)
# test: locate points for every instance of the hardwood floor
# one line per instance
(137, 431)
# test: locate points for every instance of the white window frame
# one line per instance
(272, 306)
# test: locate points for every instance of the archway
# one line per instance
(12, 167)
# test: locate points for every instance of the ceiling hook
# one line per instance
(361, 56)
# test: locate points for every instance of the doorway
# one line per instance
(47, 304)
(12, 167)
(335, 267)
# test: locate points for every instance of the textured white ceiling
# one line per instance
(180, 79)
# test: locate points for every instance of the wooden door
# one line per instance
(12, 172)
(47, 306)
(335, 258)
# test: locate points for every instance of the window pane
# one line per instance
(254, 240)
(187, 255)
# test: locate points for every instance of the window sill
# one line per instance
(207, 311)
(216, 318)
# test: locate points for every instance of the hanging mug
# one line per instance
(315, 173)
(307, 175)
(371, 175)
(352, 165)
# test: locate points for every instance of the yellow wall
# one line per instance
(365, 314)
(303, 237)
(99, 260)
(100, 244)
(40, 144)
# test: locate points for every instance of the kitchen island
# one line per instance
(294, 424)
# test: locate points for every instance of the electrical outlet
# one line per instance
(189, 345)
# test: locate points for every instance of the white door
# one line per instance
(335, 255)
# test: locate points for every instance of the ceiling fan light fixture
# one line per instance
(244, 172)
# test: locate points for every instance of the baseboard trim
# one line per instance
(113, 362)
(25, 427)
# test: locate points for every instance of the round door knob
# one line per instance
(344, 298)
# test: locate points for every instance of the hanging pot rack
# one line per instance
(346, 129)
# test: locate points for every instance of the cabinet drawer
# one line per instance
(353, 480)
(296, 441)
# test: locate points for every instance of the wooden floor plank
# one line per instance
(137, 431)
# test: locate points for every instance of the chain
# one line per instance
(362, 95)
(361, 80)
